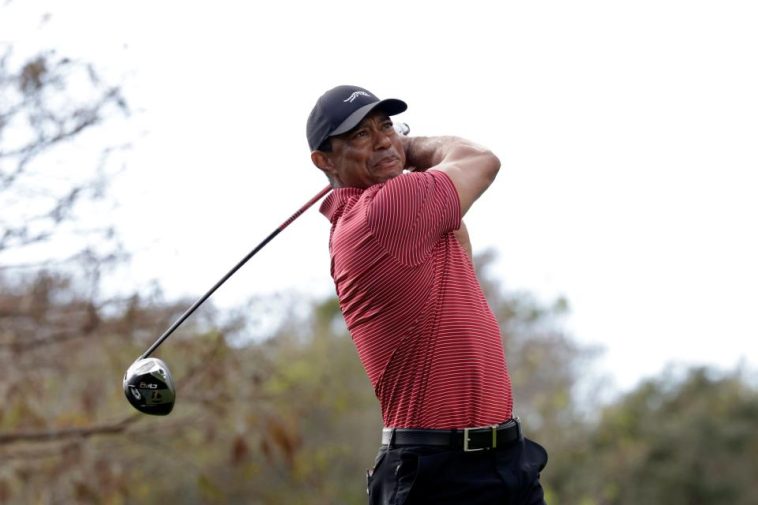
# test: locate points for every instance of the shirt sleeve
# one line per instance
(412, 212)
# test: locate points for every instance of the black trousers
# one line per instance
(416, 475)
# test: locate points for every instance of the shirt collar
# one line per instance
(334, 204)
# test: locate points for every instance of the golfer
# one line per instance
(430, 344)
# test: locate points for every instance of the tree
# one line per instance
(50, 315)
(682, 438)
(49, 104)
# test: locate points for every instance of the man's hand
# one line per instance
(471, 167)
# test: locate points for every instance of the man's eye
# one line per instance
(360, 134)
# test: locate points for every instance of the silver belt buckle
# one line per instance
(466, 440)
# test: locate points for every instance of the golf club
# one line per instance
(148, 384)
(149, 387)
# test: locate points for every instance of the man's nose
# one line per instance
(382, 140)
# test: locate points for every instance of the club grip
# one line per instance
(402, 128)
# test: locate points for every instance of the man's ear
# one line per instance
(323, 162)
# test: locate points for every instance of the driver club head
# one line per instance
(149, 387)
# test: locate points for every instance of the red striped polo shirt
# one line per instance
(424, 332)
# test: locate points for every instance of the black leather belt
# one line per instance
(466, 439)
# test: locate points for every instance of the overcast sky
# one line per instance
(628, 133)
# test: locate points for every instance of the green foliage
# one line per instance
(677, 441)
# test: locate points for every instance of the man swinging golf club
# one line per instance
(426, 337)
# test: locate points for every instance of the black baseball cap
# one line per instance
(340, 109)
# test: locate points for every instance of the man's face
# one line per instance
(370, 153)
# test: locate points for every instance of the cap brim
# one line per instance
(390, 106)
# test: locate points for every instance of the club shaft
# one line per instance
(231, 272)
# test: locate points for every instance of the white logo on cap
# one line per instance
(355, 95)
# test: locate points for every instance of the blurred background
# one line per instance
(146, 148)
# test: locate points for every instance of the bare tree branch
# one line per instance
(27, 454)
(68, 433)
(42, 113)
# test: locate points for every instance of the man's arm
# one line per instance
(471, 167)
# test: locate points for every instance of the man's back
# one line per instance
(424, 332)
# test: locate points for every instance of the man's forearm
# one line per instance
(426, 152)
(471, 167)
(422, 153)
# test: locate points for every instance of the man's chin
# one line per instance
(395, 168)
(386, 176)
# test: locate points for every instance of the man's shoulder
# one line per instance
(400, 194)
(409, 187)
(409, 181)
